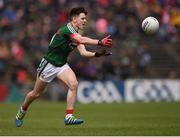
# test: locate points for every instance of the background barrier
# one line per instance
(131, 90)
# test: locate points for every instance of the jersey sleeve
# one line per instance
(67, 31)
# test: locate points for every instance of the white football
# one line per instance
(150, 25)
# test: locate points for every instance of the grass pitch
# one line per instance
(140, 119)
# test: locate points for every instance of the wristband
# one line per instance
(99, 42)
(97, 54)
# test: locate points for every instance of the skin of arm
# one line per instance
(84, 40)
(83, 52)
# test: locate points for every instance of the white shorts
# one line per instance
(47, 72)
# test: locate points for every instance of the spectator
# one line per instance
(26, 27)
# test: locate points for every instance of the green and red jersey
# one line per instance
(61, 45)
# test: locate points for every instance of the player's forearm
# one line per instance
(106, 42)
(88, 54)
(89, 41)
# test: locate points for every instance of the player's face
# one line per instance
(81, 21)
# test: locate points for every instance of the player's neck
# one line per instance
(74, 26)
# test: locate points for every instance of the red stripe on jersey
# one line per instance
(78, 43)
(72, 35)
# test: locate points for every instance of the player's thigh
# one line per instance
(39, 86)
(68, 77)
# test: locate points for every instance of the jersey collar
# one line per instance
(73, 27)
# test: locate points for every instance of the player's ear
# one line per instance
(74, 18)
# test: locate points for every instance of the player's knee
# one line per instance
(35, 95)
(73, 85)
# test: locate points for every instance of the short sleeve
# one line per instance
(67, 31)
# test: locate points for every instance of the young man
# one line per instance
(54, 64)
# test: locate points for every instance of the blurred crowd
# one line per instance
(26, 27)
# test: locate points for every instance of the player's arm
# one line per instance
(83, 52)
(105, 42)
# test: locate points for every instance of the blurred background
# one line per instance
(142, 67)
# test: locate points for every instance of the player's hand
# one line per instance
(107, 42)
(102, 53)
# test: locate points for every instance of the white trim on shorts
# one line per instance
(51, 71)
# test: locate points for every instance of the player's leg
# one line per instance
(69, 78)
(30, 97)
(35, 93)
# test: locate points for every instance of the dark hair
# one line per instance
(76, 11)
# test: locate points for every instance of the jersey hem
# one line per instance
(51, 62)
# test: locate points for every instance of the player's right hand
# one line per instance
(107, 42)
(102, 53)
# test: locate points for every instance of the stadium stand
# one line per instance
(26, 27)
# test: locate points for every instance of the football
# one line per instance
(150, 25)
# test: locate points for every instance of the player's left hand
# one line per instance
(107, 41)
(102, 53)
